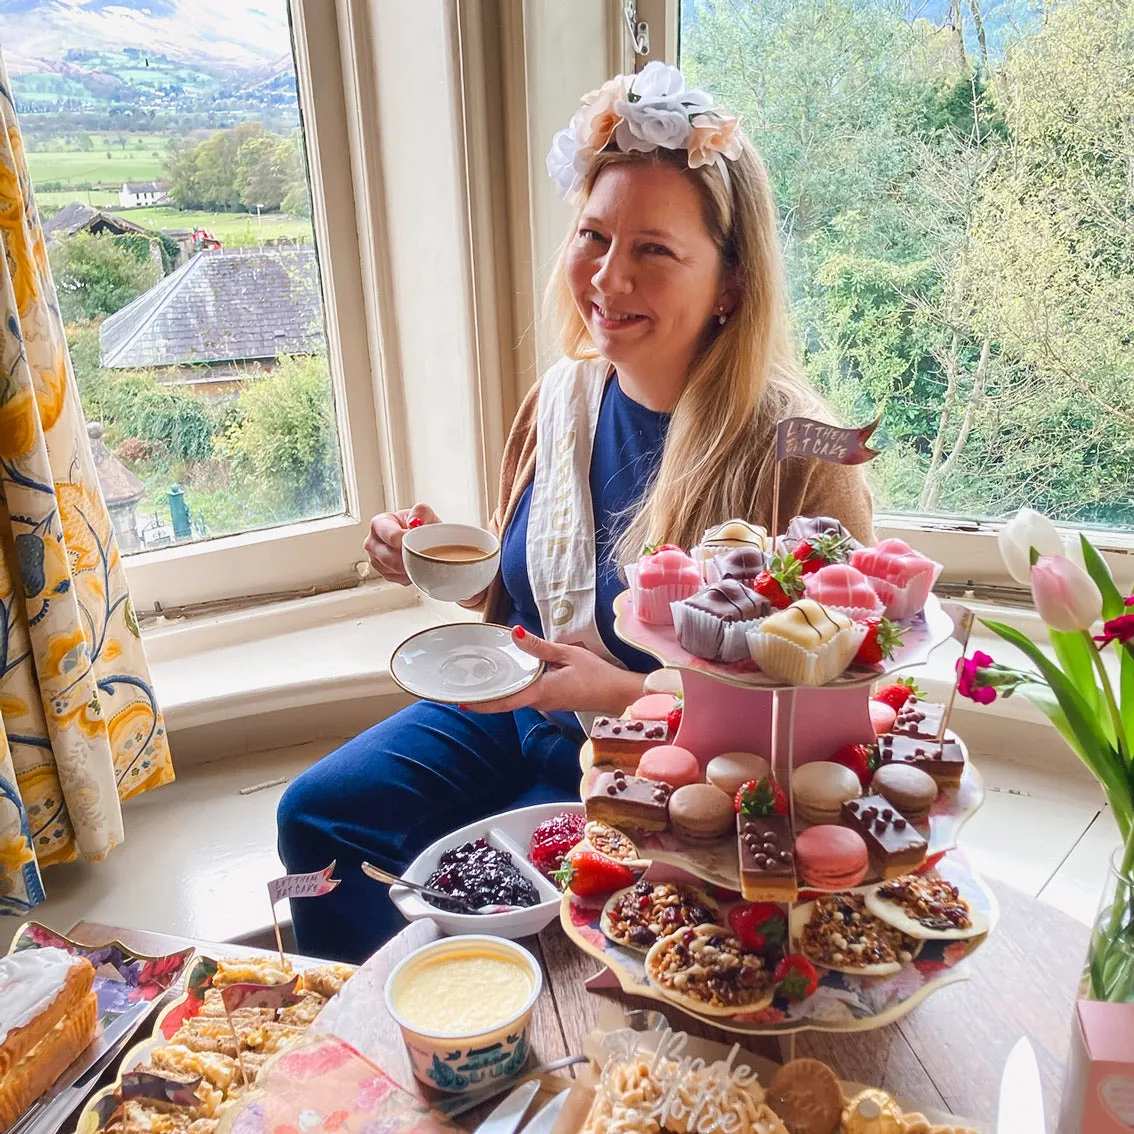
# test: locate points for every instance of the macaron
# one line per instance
(664, 680)
(882, 717)
(731, 769)
(831, 857)
(821, 788)
(910, 790)
(669, 764)
(701, 812)
(653, 707)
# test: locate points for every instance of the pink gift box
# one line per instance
(1098, 1091)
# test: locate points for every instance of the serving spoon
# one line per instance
(384, 876)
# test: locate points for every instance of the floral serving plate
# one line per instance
(841, 1003)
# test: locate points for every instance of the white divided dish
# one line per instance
(509, 831)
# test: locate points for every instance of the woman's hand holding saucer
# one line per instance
(574, 680)
(384, 543)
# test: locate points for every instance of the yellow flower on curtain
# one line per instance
(80, 727)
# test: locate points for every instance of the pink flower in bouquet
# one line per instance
(1120, 629)
(969, 672)
(596, 119)
(1128, 601)
(1065, 595)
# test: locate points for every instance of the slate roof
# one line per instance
(227, 305)
(146, 186)
(76, 216)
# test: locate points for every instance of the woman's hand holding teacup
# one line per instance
(573, 680)
(384, 543)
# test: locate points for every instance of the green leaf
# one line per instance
(1112, 604)
(1074, 656)
(1126, 690)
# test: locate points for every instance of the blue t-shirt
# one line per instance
(627, 448)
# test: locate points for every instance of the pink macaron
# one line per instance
(830, 857)
(882, 717)
(653, 707)
(670, 764)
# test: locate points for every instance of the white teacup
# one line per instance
(446, 576)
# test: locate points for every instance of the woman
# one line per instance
(658, 423)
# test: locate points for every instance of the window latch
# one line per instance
(639, 30)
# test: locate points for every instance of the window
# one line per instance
(209, 285)
(953, 183)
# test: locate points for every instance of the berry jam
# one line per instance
(482, 876)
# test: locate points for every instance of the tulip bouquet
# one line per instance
(1072, 592)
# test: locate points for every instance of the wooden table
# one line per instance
(948, 1053)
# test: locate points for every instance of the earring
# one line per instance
(722, 318)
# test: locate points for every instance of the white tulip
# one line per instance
(1027, 529)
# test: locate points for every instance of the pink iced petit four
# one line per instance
(653, 707)
(901, 576)
(882, 717)
(845, 588)
(664, 576)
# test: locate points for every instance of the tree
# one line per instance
(98, 275)
(259, 173)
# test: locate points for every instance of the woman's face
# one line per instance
(644, 271)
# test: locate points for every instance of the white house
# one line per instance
(135, 194)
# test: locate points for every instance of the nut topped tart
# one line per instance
(840, 933)
(605, 839)
(637, 916)
(927, 908)
(707, 970)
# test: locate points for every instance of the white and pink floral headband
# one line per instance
(642, 112)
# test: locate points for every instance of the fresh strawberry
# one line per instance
(820, 550)
(761, 926)
(897, 694)
(654, 548)
(673, 719)
(883, 637)
(764, 797)
(586, 872)
(796, 977)
(782, 583)
(553, 838)
(862, 759)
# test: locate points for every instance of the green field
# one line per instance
(72, 167)
(239, 230)
(51, 200)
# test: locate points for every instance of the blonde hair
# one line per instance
(745, 379)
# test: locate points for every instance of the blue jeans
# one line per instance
(387, 794)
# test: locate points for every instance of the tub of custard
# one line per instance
(464, 1005)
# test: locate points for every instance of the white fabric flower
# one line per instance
(658, 81)
(647, 127)
(561, 162)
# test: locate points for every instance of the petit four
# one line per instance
(553, 838)
(882, 717)
(901, 576)
(912, 791)
(48, 1015)
(709, 971)
(711, 623)
(895, 845)
(660, 578)
(730, 770)
(944, 761)
(626, 801)
(735, 533)
(478, 874)
(820, 789)
(767, 858)
(670, 764)
(637, 916)
(805, 644)
(816, 527)
(653, 707)
(743, 563)
(808, 1096)
(872, 1112)
(622, 740)
(838, 932)
(919, 718)
(927, 908)
(701, 812)
(843, 587)
(831, 857)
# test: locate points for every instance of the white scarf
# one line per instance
(561, 522)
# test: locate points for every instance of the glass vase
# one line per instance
(1109, 974)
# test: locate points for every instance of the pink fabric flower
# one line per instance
(968, 670)
(596, 119)
(713, 134)
(1065, 595)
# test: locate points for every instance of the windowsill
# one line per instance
(243, 682)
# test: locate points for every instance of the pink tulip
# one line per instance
(1065, 595)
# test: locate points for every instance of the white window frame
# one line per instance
(322, 551)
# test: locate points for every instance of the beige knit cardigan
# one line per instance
(807, 488)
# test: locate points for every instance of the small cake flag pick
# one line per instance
(313, 885)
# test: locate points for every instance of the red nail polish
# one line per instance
(415, 522)
(463, 708)
(519, 631)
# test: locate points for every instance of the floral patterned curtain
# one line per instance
(80, 730)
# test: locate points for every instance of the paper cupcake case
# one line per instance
(197, 981)
(841, 1003)
(655, 604)
(792, 663)
(706, 635)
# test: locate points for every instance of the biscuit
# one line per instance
(806, 1094)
